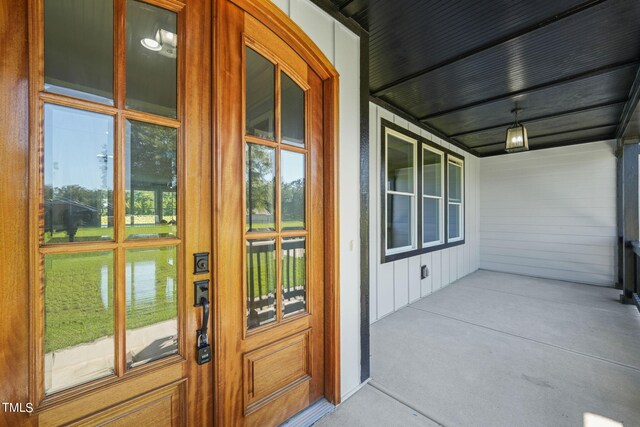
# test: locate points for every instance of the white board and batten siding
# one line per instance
(396, 284)
(342, 48)
(551, 213)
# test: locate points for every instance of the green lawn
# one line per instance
(79, 296)
(79, 293)
(98, 233)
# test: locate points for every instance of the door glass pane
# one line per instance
(261, 188)
(152, 304)
(151, 181)
(454, 221)
(292, 111)
(455, 183)
(78, 49)
(431, 173)
(152, 49)
(78, 319)
(399, 165)
(78, 175)
(399, 221)
(261, 282)
(292, 191)
(431, 219)
(294, 276)
(261, 95)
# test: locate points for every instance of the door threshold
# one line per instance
(311, 415)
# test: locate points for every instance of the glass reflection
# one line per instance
(399, 221)
(152, 304)
(78, 49)
(455, 183)
(454, 220)
(261, 282)
(78, 175)
(399, 165)
(294, 276)
(260, 188)
(431, 173)
(431, 219)
(151, 181)
(152, 49)
(292, 192)
(78, 319)
(292, 111)
(260, 95)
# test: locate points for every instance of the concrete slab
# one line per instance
(498, 349)
(466, 375)
(597, 326)
(371, 407)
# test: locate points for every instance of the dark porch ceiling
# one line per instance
(461, 66)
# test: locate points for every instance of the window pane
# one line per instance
(78, 175)
(261, 95)
(430, 220)
(292, 111)
(261, 188)
(294, 280)
(454, 221)
(455, 183)
(152, 304)
(431, 173)
(399, 221)
(261, 282)
(151, 181)
(399, 165)
(78, 319)
(152, 49)
(292, 192)
(78, 49)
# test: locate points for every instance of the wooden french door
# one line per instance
(120, 145)
(271, 285)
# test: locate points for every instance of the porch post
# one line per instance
(629, 209)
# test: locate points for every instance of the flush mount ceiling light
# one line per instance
(516, 136)
(151, 44)
(164, 42)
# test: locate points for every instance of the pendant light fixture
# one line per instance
(516, 136)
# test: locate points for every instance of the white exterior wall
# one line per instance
(551, 213)
(396, 284)
(342, 48)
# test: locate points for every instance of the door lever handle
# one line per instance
(205, 318)
(201, 297)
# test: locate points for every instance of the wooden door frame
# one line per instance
(271, 16)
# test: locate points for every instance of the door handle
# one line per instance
(201, 297)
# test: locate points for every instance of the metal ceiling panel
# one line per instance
(443, 29)
(578, 94)
(607, 116)
(588, 135)
(461, 66)
(597, 37)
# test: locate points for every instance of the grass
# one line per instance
(79, 292)
(264, 278)
(98, 233)
(79, 306)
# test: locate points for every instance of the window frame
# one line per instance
(441, 198)
(413, 195)
(460, 164)
(419, 246)
(38, 249)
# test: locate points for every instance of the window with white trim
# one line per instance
(401, 192)
(455, 199)
(432, 196)
(422, 195)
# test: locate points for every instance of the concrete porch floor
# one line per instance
(496, 349)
